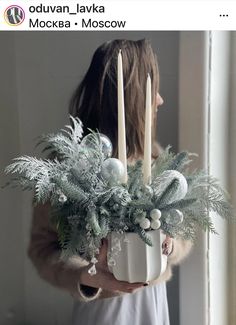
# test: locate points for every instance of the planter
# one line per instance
(130, 259)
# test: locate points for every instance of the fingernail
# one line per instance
(145, 284)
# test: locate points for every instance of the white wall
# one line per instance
(39, 72)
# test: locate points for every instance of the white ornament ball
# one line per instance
(155, 224)
(155, 214)
(183, 185)
(145, 223)
(113, 170)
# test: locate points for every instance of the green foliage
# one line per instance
(162, 163)
(86, 208)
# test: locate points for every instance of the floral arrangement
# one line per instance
(89, 201)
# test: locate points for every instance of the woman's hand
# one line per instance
(167, 246)
(104, 278)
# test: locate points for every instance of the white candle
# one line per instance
(121, 118)
(148, 134)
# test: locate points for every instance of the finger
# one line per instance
(123, 285)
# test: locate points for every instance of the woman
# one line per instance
(95, 103)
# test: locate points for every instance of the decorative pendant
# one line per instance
(92, 271)
(62, 198)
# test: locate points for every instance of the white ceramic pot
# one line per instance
(134, 261)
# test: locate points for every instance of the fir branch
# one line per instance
(20, 181)
(180, 161)
(141, 205)
(181, 204)
(135, 176)
(75, 131)
(29, 167)
(60, 144)
(43, 189)
(202, 220)
(71, 191)
(161, 164)
(167, 194)
(93, 221)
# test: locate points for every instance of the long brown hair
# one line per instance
(95, 99)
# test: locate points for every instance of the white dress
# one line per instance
(147, 306)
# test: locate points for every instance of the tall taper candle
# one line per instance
(121, 117)
(148, 134)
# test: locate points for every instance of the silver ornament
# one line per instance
(94, 260)
(90, 141)
(155, 214)
(113, 170)
(155, 224)
(174, 217)
(145, 223)
(106, 146)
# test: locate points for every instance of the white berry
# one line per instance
(155, 214)
(155, 224)
(145, 223)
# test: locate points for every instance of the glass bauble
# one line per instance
(174, 217)
(113, 171)
(92, 141)
(106, 146)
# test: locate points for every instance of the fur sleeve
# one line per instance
(44, 252)
(181, 249)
